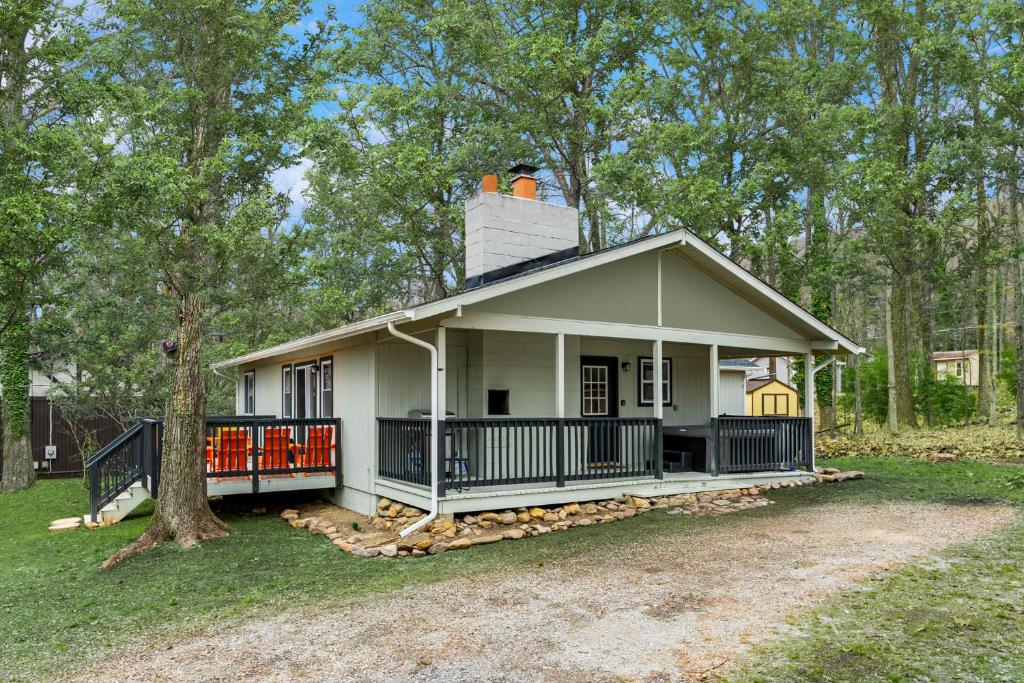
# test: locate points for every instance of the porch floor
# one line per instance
(527, 495)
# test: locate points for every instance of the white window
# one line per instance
(249, 393)
(959, 368)
(595, 390)
(286, 391)
(646, 384)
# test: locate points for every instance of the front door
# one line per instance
(599, 397)
(305, 391)
(599, 386)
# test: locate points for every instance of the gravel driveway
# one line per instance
(667, 608)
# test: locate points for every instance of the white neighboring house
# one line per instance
(732, 382)
(553, 377)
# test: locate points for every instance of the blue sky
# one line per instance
(291, 180)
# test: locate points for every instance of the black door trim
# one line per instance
(612, 363)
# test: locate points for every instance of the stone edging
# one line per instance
(449, 533)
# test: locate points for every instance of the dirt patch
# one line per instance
(337, 516)
(661, 607)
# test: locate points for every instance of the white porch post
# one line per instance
(560, 409)
(560, 375)
(809, 398)
(442, 383)
(659, 408)
(713, 380)
(659, 411)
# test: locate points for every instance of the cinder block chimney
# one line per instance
(507, 235)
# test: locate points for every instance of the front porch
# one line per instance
(511, 462)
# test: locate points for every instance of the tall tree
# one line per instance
(208, 97)
(395, 164)
(40, 93)
(562, 76)
(1008, 104)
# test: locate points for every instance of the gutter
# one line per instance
(433, 426)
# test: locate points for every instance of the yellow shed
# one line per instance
(767, 396)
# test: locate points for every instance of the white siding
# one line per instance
(355, 402)
(268, 390)
(732, 392)
(403, 379)
(524, 364)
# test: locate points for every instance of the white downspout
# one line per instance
(433, 426)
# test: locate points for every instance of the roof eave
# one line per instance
(336, 334)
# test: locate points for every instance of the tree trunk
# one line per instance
(927, 349)
(14, 344)
(1018, 294)
(894, 424)
(981, 310)
(858, 404)
(993, 349)
(182, 510)
(902, 399)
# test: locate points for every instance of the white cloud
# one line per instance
(292, 182)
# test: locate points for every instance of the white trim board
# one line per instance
(585, 328)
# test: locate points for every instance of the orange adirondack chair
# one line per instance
(277, 443)
(231, 451)
(319, 446)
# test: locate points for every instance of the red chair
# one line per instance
(231, 451)
(319, 447)
(277, 445)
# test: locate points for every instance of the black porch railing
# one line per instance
(761, 444)
(239, 447)
(404, 449)
(260, 448)
(508, 451)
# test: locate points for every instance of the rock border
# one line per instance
(448, 532)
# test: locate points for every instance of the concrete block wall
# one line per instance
(502, 230)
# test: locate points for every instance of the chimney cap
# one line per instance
(522, 168)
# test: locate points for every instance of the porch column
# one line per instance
(713, 380)
(659, 408)
(712, 442)
(442, 409)
(442, 361)
(560, 409)
(809, 398)
(560, 375)
(659, 411)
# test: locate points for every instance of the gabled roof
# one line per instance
(702, 254)
(759, 382)
(738, 364)
(954, 355)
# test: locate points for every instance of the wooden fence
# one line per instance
(70, 455)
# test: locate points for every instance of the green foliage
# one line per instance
(945, 399)
(14, 378)
(1007, 375)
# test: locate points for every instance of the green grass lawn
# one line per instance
(59, 608)
(958, 616)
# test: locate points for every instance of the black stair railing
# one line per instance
(115, 467)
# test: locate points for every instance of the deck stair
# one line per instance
(124, 473)
(122, 505)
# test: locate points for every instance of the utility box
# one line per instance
(51, 452)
